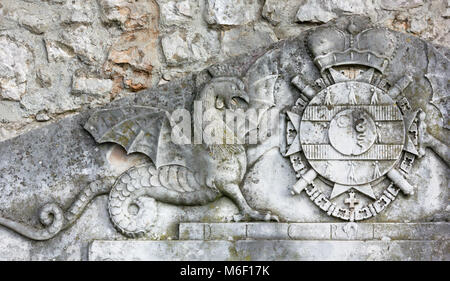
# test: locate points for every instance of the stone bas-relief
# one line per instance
(361, 128)
(352, 132)
(183, 174)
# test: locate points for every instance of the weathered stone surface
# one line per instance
(15, 63)
(91, 86)
(79, 13)
(61, 163)
(57, 51)
(134, 58)
(284, 11)
(85, 43)
(29, 16)
(412, 231)
(351, 231)
(43, 76)
(421, 20)
(446, 14)
(107, 22)
(55, 1)
(260, 250)
(234, 12)
(324, 11)
(400, 4)
(315, 231)
(272, 232)
(129, 15)
(309, 231)
(181, 48)
(5, 134)
(220, 231)
(239, 40)
(10, 111)
(175, 12)
(35, 23)
(176, 49)
(265, 190)
(56, 161)
(42, 117)
(15, 247)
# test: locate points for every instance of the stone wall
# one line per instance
(58, 57)
(61, 59)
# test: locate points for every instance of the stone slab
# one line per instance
(13, 247)
(258, 250)
(314, 231)
(412, 231)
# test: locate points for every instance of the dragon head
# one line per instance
(224, 93)
(222, 98)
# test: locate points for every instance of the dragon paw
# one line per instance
(255, 215)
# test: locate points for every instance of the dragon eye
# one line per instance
(219, 103)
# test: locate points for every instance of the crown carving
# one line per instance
(373, 47)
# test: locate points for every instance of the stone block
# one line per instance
(15, 62)
(272, 231)
(13, 246)
(351, 231)
(191, 231)
(324, 11)
(314, 231)
(258, 250)
(231, 12)
(91, 86)
(240, 40)
(213, 231)
(412, 231)
(280, 11)
(175, 12)
(309, 231)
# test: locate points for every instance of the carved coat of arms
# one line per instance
(350, 131)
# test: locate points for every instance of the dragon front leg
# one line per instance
(233, 192)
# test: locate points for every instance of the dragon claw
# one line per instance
(274, 218)
(270, 217)
(256, 215)
(238, 217)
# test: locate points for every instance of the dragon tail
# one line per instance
(52, 216)
(129, 210)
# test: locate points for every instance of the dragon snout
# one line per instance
(242, 95)
(240, 99)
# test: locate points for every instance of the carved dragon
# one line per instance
(179, 174)
(188, 174)
(218, 168)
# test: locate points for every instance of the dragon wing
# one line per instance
(135, 128)
(438, 74)
(261, 79)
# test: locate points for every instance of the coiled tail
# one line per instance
(173, 184)
(52, 216)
